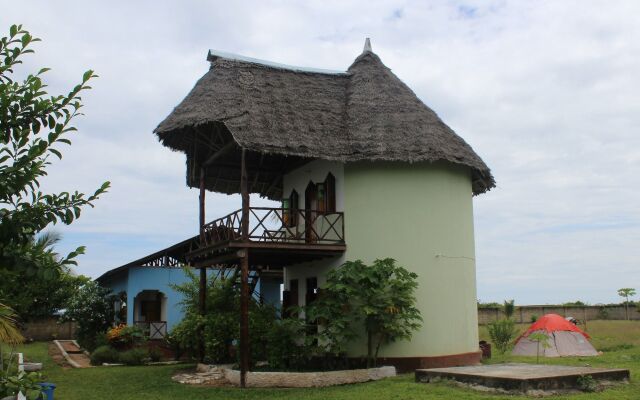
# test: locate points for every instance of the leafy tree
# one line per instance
(91, 306)
(502, 333)
(541, 339)
(626, 293)
(577, 303)
(379, 297)
(33, 126)
(40, 297)
(491, 304)
(509, 308)
(220, 322)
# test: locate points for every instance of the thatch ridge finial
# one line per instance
(367, 46)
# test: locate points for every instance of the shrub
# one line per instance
(137, 356)
(91, 307)
(379, 298)
(502, 333)
(104, 354)
(603, 313)
(586, 383)
(155, 354)
(534, 318)
(219, 326)
(123, 335)
(287, 350)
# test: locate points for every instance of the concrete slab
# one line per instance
(522, 377)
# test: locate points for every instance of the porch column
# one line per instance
(244, 265)
(203, 271)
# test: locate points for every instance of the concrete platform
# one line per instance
(522, 377)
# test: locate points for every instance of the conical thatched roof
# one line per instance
(365, 113)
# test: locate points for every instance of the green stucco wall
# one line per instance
(422, 216)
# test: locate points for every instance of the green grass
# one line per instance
(139, 383)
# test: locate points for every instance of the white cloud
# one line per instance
(545, 92)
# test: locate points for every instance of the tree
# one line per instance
(219, 325)
(626, 293)
(379, 297)
(541, 339)
(509, 308)
(33, 126)
(40, 297)
(91, 306)
(502, 332)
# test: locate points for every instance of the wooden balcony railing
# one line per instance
(153, 329)
(278, 225)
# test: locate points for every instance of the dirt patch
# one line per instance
(81, 359)
(57, 357)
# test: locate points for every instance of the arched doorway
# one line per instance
(150, 313)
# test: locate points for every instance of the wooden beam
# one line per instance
(221, 152)
(244, 287)
(219, 259)
(202, 289)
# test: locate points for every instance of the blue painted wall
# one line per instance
(137, 279)
(161, 279)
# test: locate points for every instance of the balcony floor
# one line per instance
(263, 254)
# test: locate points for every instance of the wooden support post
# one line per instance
(203, 271)
(244, 265)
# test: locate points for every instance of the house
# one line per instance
(362, 168)
(145, 294)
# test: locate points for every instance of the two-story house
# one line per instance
(362, 169)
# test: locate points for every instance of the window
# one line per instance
(320, 197)
(330, 193)
(290, 207)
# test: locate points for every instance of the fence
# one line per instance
(524, 314)
(49, 329)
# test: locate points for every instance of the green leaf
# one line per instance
(87, 75)
(57, 153)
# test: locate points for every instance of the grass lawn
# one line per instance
(128, 383)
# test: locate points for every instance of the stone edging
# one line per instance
(309, 379)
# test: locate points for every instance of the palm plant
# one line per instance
(9, 332)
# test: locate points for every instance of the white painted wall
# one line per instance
(315, 171)
(298, 179)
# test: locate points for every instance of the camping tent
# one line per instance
(565, 339)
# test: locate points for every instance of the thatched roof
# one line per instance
(290, 115)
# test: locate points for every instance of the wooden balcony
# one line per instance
(275, 237)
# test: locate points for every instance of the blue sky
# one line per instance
(546, 92)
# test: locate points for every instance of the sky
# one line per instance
(546, 92)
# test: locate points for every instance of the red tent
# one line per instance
(564, 339)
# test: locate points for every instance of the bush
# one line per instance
(104, 354)
(155, 354)
(287, 350)
(123, 335)
(603, 313)
(534, 318)
(502, 333)
(586, 383)
(219, 327)
(509, 308)
(137, 356)
(91, 307)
